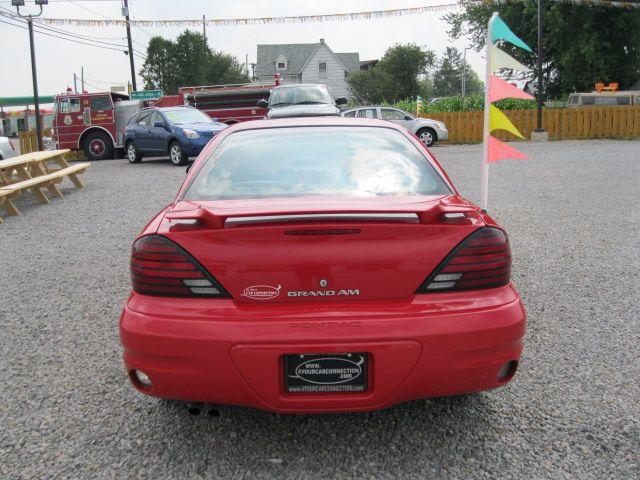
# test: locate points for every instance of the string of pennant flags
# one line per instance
(367, 15)
(223, 22)
(498, 89)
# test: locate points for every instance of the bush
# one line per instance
(457, 104)
(475, 103)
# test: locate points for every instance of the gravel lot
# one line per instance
(67, 410)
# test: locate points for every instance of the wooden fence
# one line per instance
(561, 123)
(28, 144)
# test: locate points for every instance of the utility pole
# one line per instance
(540, 27)
(204, 29)
(125, 12)
(34, 75)
(75, 83)
(464, 72)
(246, 64)
(82, 78)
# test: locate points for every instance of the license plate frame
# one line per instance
(346, 372)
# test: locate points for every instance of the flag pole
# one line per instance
(487, 106)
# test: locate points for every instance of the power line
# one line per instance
(63, 32)
(63, 38)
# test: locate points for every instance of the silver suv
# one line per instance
(427, 130)
(302, 100)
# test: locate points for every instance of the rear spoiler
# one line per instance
(204, 217)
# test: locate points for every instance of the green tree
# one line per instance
(371, 86)
(395, 77)
(187, 62)
(159, 69)
(193, 58)
(582, 45)
(225, 68)
(425, 87)
(406, 64)
(447, 78)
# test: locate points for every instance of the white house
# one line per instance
(307, 63)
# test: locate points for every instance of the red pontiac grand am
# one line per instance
(313, 265)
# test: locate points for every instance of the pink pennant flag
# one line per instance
(501, 151)
(499, 89)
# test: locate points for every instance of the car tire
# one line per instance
(97, 146)
(427, 136)
(133, 154)
(177, 155)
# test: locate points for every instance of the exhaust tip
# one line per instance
(140, 379)
(507, 371)
(194, 408)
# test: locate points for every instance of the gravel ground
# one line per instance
(67, 410)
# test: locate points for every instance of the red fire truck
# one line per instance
(226, 103)
(94, 122)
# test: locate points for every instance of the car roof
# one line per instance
(373, 106)
(296, 85)
(324, 121)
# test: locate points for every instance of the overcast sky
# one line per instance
(58, 59)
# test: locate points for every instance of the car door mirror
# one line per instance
(341, 101)
(158, 124)
(262, 103)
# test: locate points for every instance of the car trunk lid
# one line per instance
(312, 250)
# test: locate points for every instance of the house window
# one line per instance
(322, 70)
(281, 65)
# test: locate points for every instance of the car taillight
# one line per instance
(160, 267)
(482, 260)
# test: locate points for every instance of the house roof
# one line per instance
(351, 61)
(296, 55)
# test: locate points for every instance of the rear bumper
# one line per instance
(225, 354)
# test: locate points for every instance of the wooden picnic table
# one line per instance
(33, 171)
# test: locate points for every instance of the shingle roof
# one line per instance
(351, 61)
(296, 55)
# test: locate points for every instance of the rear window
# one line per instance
(316, 161)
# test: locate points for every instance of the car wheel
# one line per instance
(177, 155)
(133, 155)
(428, 136)
(97, 146)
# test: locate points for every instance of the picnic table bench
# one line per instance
(33, 171)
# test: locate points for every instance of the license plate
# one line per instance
(330, 372)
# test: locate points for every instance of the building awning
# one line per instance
(22, 101)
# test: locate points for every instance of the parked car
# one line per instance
(302, 100)
(180, 132)
(317, 265)
(427, 130)
(7, 148)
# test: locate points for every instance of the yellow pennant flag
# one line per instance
(499, 121)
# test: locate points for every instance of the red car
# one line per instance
(314, 265)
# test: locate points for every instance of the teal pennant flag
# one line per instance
(500, 31)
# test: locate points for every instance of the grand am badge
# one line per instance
(261, 292)
(325, 293)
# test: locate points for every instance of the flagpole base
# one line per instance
(539, 136)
